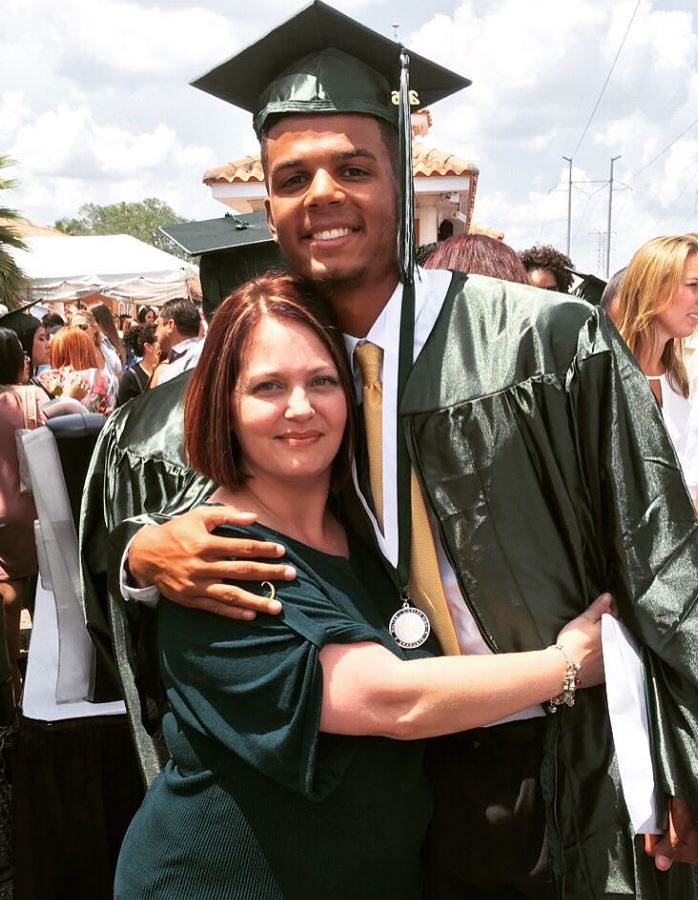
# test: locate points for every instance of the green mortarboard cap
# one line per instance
(590, 288)
(229, 231)
(19, 320)
(232, 250)
(321, 61)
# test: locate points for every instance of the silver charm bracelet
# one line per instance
(570, 682)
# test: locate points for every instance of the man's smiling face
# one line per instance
(333, 197)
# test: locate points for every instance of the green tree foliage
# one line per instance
(13, 282)
(140, 220)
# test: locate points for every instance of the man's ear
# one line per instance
(270, 220)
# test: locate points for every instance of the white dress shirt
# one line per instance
(431, 287)
(190, 351)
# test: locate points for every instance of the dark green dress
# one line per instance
(255, 803)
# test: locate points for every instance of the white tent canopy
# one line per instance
(118, 265)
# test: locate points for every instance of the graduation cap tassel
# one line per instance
(406, 249)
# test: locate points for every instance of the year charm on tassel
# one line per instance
(409, 627)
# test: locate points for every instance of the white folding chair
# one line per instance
(61, 656)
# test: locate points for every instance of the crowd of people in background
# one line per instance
(100, 360)
(124, 356)
(118, 356)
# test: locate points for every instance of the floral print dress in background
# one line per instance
(101, 387)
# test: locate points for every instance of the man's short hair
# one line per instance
(184, 314)
(51, 320)
(547, 257)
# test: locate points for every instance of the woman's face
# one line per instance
(39, 347)
(150, 317)
(680, 318)
(288, 407)
(90, 327)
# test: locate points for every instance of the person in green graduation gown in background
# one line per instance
(296, 753)
(536, 445)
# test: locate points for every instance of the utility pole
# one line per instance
(569, 204)
(610, 207)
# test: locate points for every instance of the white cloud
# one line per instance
(537, 70)
(132, 38)
(53, 142)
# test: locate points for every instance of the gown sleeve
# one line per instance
(255, 688)
(646, 539)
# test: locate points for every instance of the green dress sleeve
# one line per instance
(647, 547)
(255, 688)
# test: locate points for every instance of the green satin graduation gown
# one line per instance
(545, 461)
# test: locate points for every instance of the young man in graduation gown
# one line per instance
(538, 451)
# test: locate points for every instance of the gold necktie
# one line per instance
(370, 359)
(426, 589)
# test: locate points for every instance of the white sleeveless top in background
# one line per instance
(681, 419)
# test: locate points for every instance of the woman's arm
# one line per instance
(369, 691)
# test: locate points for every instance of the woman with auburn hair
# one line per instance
(75, 371)
(72, 349)
(478, 254)
(295, 740)
(654, 310)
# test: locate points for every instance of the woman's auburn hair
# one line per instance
(210, 444)
(70, 346)
(478, 254)
(649, 287)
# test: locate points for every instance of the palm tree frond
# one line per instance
(13, 282)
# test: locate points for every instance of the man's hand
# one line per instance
(188, 564)
(680, 841)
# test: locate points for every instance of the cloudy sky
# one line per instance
(95, 106)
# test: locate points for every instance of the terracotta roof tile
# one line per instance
(24, 228)
(431, 161)
(249, 168)
(426, 160)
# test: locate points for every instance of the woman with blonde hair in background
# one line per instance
(107, 357)
(655, 309)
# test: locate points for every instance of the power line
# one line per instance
(665, 150)
(608, 78)
(582, 218)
